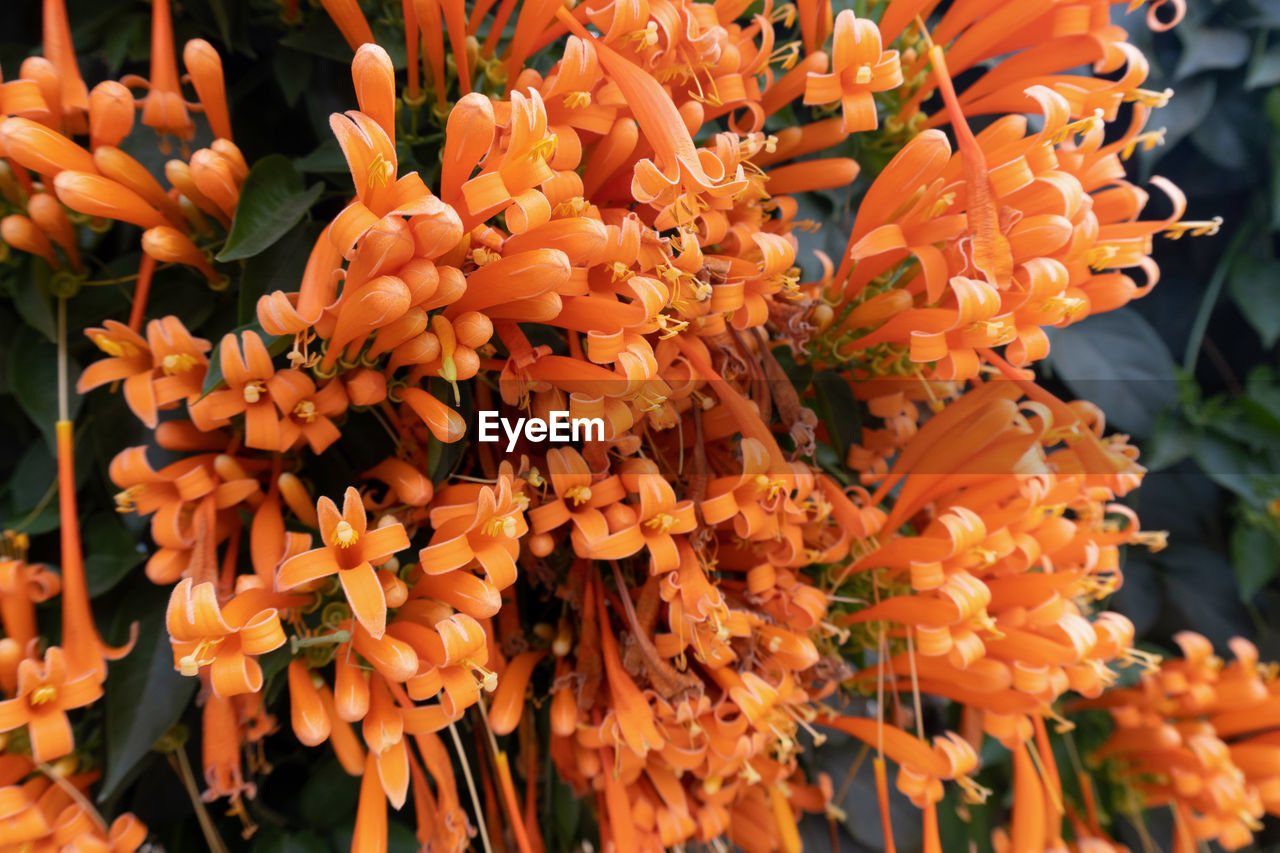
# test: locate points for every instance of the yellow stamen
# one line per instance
(381, 171)
(113, 347)
(578, 494)
(305, 411)
(500, 527)
(43, 695)
(177, 362)
(202, 655)
(863, 75)
(1148, 140)
(1200, 228)
(1148, 98)
(662, 522)
(576, 100)
(254, 390)
(344, 534)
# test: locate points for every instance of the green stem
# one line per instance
(296, 642)
(1195, 340)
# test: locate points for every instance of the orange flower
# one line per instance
(860, 67)
(350, 551)
(204, 67)
(45, 693)
(129, 358)
(163, 108)
(22, 586)
(226, 639)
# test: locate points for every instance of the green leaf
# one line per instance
(31, 297)
(278, 268)
(1254, 554)
(1255, 287)
(1172, 440)
(33, 378)
(111, 552)
(1264, 70)
(329, 796)
(214, 378)
(1207, 48)
(292, 71)
(133, 725)
(1117, 361)
(271, 202)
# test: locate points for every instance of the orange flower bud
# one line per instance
(45, 75)
(298, 499)
(23, 98)
(171, 246)
(473, 329)
(41, 149)
(179, 175)
(22, 234)
(350, 686)
(94, 195)
(393, 589)
(445, 424)
(48, 214)
(230, 152)
(564, 712)
(115, 164)
(204, 67)
(409, 485)
(375, 82)
(110, 113)
(346, 745)
(365, 387)
(215, 180)
(508, 699)
(393, 658)
(461, 590)
(186, 436)
(541, 544)
(306, 708)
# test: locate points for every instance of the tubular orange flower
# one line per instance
(94, 195)
(58, 49)
(859, 68)
(163, 108)
(350, 551)
(110, 113)
(46, 691)
(204, 68)
(226, 639)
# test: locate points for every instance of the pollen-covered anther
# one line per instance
(501, 527)
(253, 391)
(1148, 98)
(305, 411)
(577, 100)
(177, 362)
(578, 494)
(381, 171)
(487, 678)
(202, 655)
(124, 500)
(662, 522)
(44, 694)
(1196, 228)
(1148, 140)
(344, 535)
(113, 347)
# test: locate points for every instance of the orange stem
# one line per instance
(140, 293)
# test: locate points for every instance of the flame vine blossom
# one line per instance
(612, 231)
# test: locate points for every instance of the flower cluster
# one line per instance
(701, 589)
